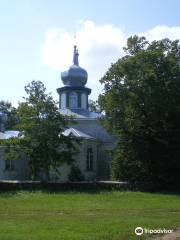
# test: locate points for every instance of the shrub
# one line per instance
(75, 174)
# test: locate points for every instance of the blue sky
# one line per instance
(36, 37)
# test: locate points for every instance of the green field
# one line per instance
(106, 215)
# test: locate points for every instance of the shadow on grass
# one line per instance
(8, 189)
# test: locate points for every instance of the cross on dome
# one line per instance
(74, 93)
(75, 75)
(76, 56)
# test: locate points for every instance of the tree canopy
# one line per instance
(142, 104)
(10, 113)
(41, 128)
(93, 106)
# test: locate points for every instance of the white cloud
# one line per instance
(160, 32)
(99, 46)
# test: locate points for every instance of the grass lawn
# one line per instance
(106, 215)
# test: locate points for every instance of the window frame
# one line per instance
(89, 159)
(9, 165)
(73, 100)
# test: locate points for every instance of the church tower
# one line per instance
(92, 159)
(74, 94)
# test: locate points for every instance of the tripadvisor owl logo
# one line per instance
(139, 231)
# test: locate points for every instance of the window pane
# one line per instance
(90, 159)
(9, 165)
(73, 100)
(83, 101)
(63, 100)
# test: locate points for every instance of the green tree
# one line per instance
(10, 112)
(75, 174)
(41, 126)
(142, 106)
(93, 106)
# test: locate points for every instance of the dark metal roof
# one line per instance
(70, 88)
(80, 113)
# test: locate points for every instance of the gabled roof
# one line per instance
(76, 133)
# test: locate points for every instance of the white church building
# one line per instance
(93, 158)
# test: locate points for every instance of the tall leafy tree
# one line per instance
(142, 105)
(10, 114)
(41, 127)
(93, 106)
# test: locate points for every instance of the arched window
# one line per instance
(73, 100)
(89, 159)
(9, 165)
(84, 101)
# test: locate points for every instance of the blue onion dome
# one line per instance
(75, 75)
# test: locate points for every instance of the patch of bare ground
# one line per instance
(175, 235)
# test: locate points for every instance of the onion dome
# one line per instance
(75, 75)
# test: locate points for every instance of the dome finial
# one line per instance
(76, 55)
